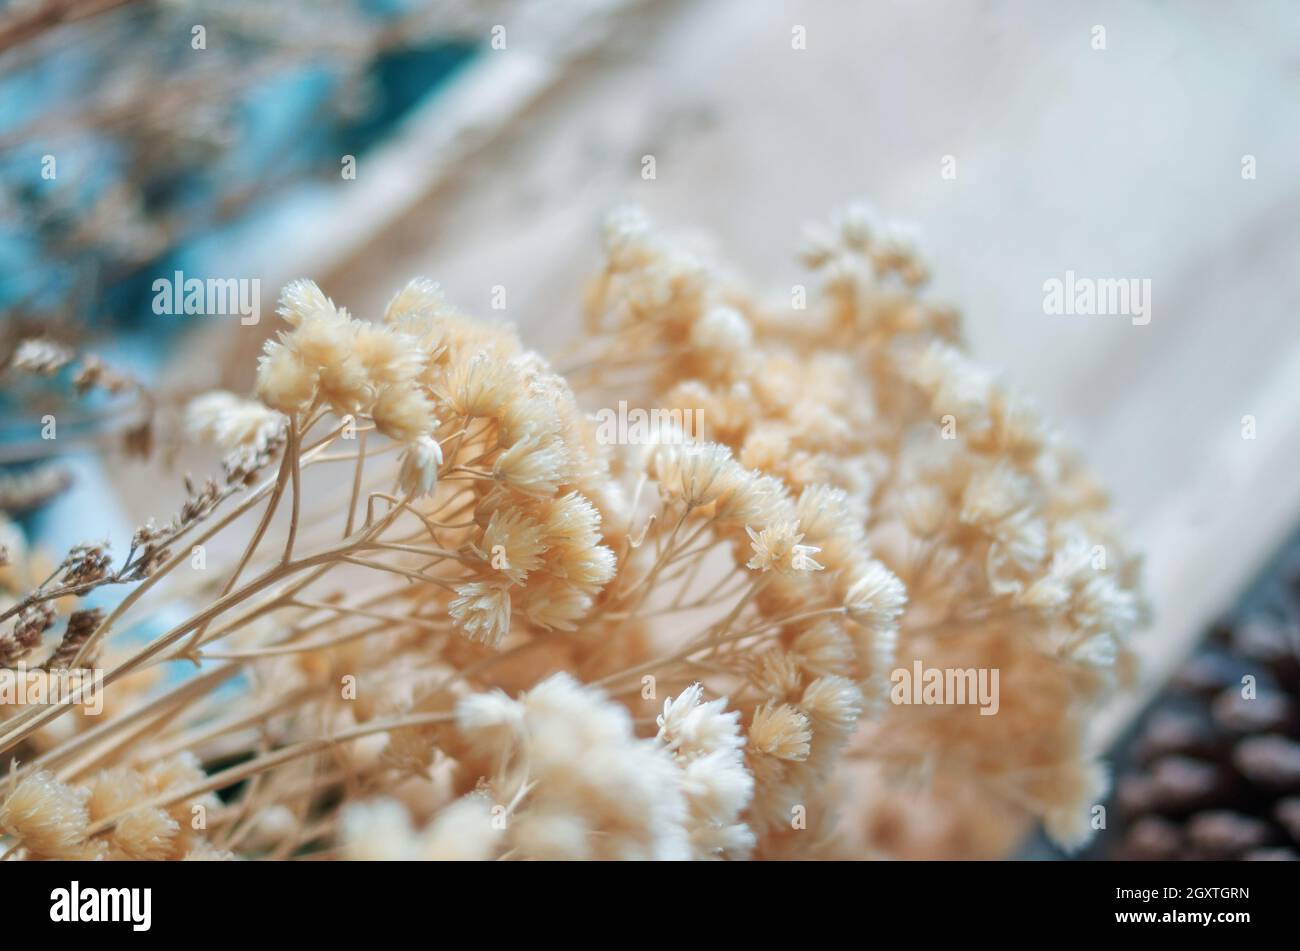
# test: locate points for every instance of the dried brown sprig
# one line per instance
(29, 626)
(32, 488)
(81, 624)
(131, 426)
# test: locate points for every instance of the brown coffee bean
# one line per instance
(1153, 839)
(1287, 813)
(1134, 794)
(1169, 732)
(1266, 640)
(1224, 835)
(1180, 784)
(1272, 855)
(1269, 711)
(1208, 672)
(1272, 761)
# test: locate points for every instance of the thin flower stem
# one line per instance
(235, 774)
(24, 723)
(291, 451)
(267, 514)
(374, 615)
(413, 575)
(661, 662)
(115, 743)
(356, 485)
(145, 586)
(194, 738)
(280, 650)
(173, 699)
(416, 550)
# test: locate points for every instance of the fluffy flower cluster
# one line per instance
(152, 818)
(922, 481)
(513, 426)
(351, 366)
(526, 643)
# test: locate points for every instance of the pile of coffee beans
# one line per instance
(1212, 771)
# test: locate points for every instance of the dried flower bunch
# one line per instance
(460, 625)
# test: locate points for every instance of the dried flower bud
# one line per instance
(302, 300)
(233, 423)
(199, 502)
(875, 596)
(137, 440)
(81, 624)
(85, 565)
(47, 817)
(93, 374)
(31, 488)
(482, 611)
(403, 413)
(32, 622)
(284, 381)
(780, 731)
(41, 356)
(418, 475)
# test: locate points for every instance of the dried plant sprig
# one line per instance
(88, 566)
(29, 627)
(521, 641)
(32, 488)
(130, 426)
(81, 624)
(41, 357)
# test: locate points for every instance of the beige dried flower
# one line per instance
(39, 356)
(482, 611)
(284, 381)
(232, 422)
(46, 817)
(542, 645)
(777, 547)
(532, 466)
(418, 475)
(780, 731)
(401, 413)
